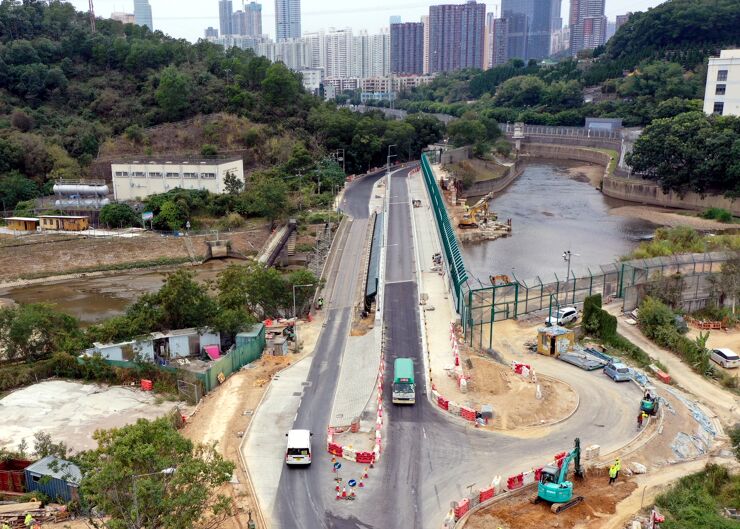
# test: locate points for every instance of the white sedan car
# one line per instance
(563, 316)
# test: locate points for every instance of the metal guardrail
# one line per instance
(452, 254)
(579, 132)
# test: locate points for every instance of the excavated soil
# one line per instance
(600, 502)
(514, 398)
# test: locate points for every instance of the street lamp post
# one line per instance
(567, 256)
(388, 162)
(295, 312)
(165, 472)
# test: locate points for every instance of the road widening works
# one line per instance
(429, 459)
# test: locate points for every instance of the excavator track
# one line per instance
(557, 508)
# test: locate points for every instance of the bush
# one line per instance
(719, 214)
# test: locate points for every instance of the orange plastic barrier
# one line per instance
(146, 385)
(514, 482)
(467, 413)
(486, 494)
(365, 457)
(537, 473)
(663, 376)
(461, 508)
(443, 402)
(335, 449)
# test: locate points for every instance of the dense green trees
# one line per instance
(119, 216)
(690, 151)
(36, 331)
(148, 475)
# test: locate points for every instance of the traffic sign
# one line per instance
(352, 483)
(337, 466)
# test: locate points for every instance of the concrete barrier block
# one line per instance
(349, 453)
(453, 408)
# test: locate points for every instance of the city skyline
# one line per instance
(188, 18)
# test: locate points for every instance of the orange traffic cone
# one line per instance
(344, 492)
(364, 476)
(337, 487)
(333, 459)
(352, 492)
(339, 494)
(361, 483)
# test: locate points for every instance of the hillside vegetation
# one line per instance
(65, 92)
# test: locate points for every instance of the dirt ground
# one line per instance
(600, 502)
(57, 255)
(72, 411)
(729, 338)
(668, 217)
(514, 398)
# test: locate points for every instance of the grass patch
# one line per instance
(718, 214)
(162, 261)
(696, 501)
(682, 239)
(614, 159)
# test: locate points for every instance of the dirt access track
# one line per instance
(51, 255)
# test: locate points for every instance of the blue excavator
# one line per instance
(554, 486)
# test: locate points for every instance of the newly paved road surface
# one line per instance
(429, 458)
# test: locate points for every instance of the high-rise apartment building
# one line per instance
(338, 53)
(500, 45)
(143, 14)
(556, 17)
(287, 19)
(538, 25)
(316, 50)
(456, 36)
(425, 21)
(253, 12)
(407, 48)
(587, 25)
(394, 19)
(211, 33)
(517, 31)
(225, 17)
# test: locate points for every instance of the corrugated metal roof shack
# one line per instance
(57, 478)
(248, 348)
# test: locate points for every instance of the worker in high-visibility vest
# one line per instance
(618, 465)
(612, 474)
(28, 522)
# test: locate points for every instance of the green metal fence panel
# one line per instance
(453, 256)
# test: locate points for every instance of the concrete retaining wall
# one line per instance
(496, 185)
(647, 192)
(565, 152)
(456, 155)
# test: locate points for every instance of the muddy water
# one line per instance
(554, 208)
(94, 299)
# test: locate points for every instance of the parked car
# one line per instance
(725, 357)
(563, 316)
(617, 371)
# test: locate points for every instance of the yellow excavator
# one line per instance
(474, 214)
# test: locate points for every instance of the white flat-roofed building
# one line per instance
(138, 179)
(722, 94)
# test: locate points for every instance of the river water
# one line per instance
(553, 208)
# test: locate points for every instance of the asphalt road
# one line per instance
(430, 458)
(304, 493)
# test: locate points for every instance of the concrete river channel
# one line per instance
(552, 207)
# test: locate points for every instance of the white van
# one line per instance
(298, 451)
(725, 357)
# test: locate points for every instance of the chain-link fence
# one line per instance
(688, 276)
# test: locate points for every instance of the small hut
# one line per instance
(554, 340)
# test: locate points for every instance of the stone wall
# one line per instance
(571, 141)
(456, 155)
(495, 185)
(647, 192)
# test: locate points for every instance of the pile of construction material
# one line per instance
(14, 514)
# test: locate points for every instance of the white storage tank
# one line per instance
(81, 189)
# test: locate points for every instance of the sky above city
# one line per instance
(188, 18)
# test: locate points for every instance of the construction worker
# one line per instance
(618, 465)
(612, 474)
(28, 522)
(640, 418)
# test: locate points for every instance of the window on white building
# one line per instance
(721, 75)
(173, 175)
(208, 176)
(719, 106)
(155, 174)
(190, 175)
(720, 90)
(139, 174)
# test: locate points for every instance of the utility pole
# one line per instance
(567, 256)
(388, 161)
(92, 17)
